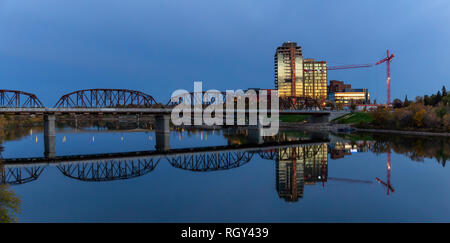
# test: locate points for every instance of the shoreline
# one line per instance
(443, 134)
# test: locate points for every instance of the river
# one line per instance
(220, 176)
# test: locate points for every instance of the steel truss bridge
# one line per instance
(123, 101)
(120, 166)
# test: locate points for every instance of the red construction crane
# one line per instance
(349, 66)
(387, 59)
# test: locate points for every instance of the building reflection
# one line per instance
(300, 166)
(339, 150)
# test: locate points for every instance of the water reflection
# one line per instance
(298, 166)
(417, 148)
(16, 175)
(210, 161)
(387, 184)
(108, 170)
(300, 158)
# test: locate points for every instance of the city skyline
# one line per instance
(141, 45)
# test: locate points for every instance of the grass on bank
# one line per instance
(355, 118)
(293, 118)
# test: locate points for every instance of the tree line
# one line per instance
(425, 113)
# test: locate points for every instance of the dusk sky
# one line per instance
(52, 47)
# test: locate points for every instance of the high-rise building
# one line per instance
(289, 70)
(295, 76)
(315, 79)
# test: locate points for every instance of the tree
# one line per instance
(404, 117)
(431, 120)
(446, 122)
(406, 102)
(441, 110)
(352, 105)
(419, 99)
(438, 98)
(397, 103)
(446, 100)
(426, 100)
(444, 91)
(9, 203)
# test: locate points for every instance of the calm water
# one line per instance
(345, 180)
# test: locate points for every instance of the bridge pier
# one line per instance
(138, 120)
(162, 132)
(49, 135)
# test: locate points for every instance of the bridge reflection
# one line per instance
(20, 174)
(121, 166)
(211, 161)
(108, 170)
(298, 164)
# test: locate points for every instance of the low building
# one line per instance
(338, 86)
(342, 93)
(358, 96)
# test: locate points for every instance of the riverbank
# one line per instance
(417, 133)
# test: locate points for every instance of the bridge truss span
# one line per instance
(19, 99)
(107, 98)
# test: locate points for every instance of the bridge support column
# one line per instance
(162, 132)
(255, 134)
(138, 120)
(49, 135)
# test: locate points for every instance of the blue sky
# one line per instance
(51, 48)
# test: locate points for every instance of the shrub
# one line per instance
(446, 122)
(419, 116)
(405, 118)
(431, 120)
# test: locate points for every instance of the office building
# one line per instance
(315, 79)
(295, 76)
(289, 70)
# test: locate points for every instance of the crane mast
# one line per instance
(388, 60)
